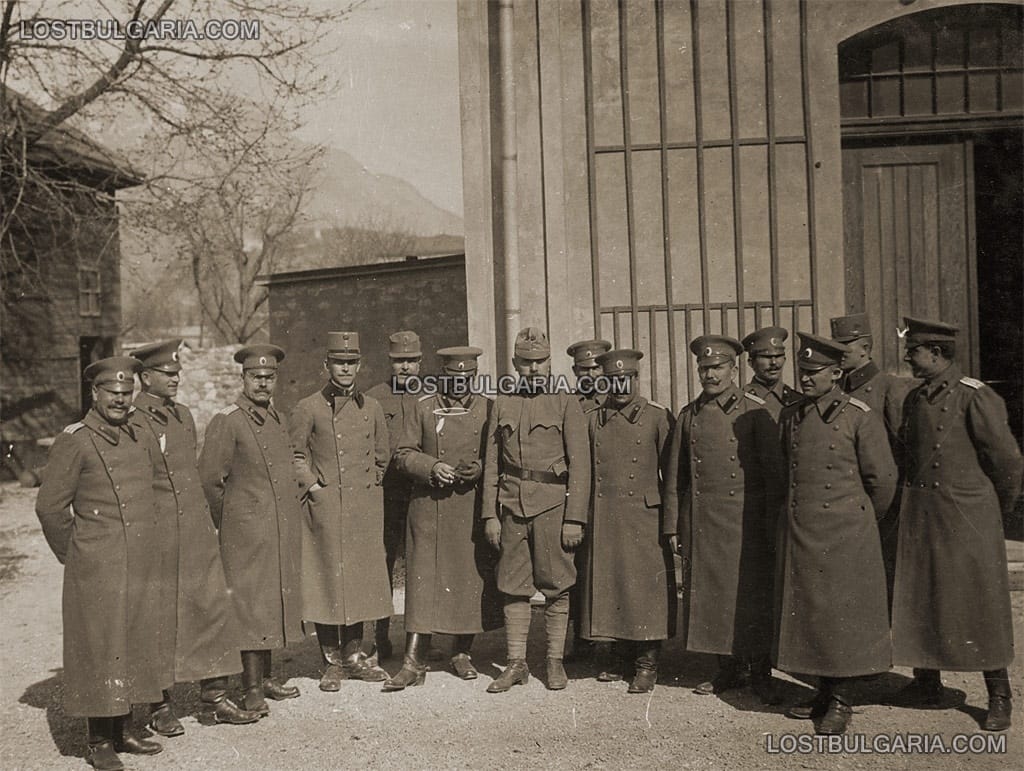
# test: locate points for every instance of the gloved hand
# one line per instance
(442, 474)
(492, 532)
(572, 535)
(469, 472)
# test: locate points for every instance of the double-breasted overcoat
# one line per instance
(775, 398)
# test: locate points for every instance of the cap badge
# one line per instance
(120, 376)
(775, 341)
(709, 351)
(618, 364)
(174, 356)
(462, 365)
(263, 360)
(806, 353)
(590, 354)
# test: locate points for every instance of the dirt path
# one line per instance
(449, 723)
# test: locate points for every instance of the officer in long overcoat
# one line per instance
(406, 357)
(766, 354)
(203, 634)
(340, 441)
(629, 587)
(247, 475)
(449, 585)
(831, 614)
(951, 608)
(98, 512)
(721, 459)
(536, 496)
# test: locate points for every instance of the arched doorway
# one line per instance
(931, 117)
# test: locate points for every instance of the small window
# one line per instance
(89, 291)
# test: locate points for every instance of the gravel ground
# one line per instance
(449, 723)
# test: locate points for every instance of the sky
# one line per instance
(397, 108)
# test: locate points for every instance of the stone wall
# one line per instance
(210, 381)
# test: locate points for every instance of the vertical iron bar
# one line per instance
(699, 141)
(628, 167)
(769, 102)
(588, 98)
(809, 166)
(734, 128)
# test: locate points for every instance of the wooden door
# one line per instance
(909, 246)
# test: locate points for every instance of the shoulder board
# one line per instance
(859, 404)
(970, 382)
(228, 410)
(754, 398)
(73, 427)
(425, 397)
(655, 404)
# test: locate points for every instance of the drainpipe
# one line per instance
(507, 116)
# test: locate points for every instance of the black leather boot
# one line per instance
(613, 661)
(839, 712)
(126, 741)
(218, 708)
(515, 673)
(252, 683)
(813, 709)
(761, 681)
(329, 638)
(646, 668)
(462, 664)
(354, 664)
(925, 691)
(414, 670)
(381, 641)
(1000, 700)
(272, 689)
(728, 677)
(101, 754)
(162, 720)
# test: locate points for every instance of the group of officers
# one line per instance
(797, 552)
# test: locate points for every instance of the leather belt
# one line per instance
(532, 475)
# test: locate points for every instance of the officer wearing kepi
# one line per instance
(719, 518)
(537, 472)
(406, 356)
(201, 622)
(831, 612)
(340, 440)
(629, 588)
(766, 353)
(98, 512)
(951, 606)
(246, 470)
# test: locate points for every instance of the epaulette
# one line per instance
(755, 398)
(228, 410)
(970, 382)
(655, 404)
(859, 404)
(73, 427)
(592, 408)
(730, 403)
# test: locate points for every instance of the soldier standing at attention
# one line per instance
(537, 472)
(449, 586)
(246, 470)
(340, 440)
(719, 518)
(203, 634)
(98, 512)
(406, 356)
(951, 607)
(584, 355)
(629, 589)
(832, 617)
(766, 353)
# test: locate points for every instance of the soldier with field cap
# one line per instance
(246, 470)
(831, 608)
(201, 624)
(340, 440)
(406, 356)
(536, 495)
(719, 518)
(766, 354)
(99, 513)
(962, 476)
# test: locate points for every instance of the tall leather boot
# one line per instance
(728, 677)
(1000, 700)
(329, 638)
(162, 719)
(101, 754)
(517, 629)
(273, 689)
(556, 625)
(381, 641)
(218, 708)
(613, 661)
(354, 664)
(414, 670)
(839, 711)
(462, 664)
(646, 667)
(252, 683)
(126, 741)
(925, 691)
(761, 680)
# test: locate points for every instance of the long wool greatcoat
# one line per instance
(831, 607)
(884, 393)
(449, 566)
(342, 443)
(951, 608)
(722, 452)
(98, 512)
(775, 398)
(247, 475)
(204, 636)
(629, 587)
(396, 406)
